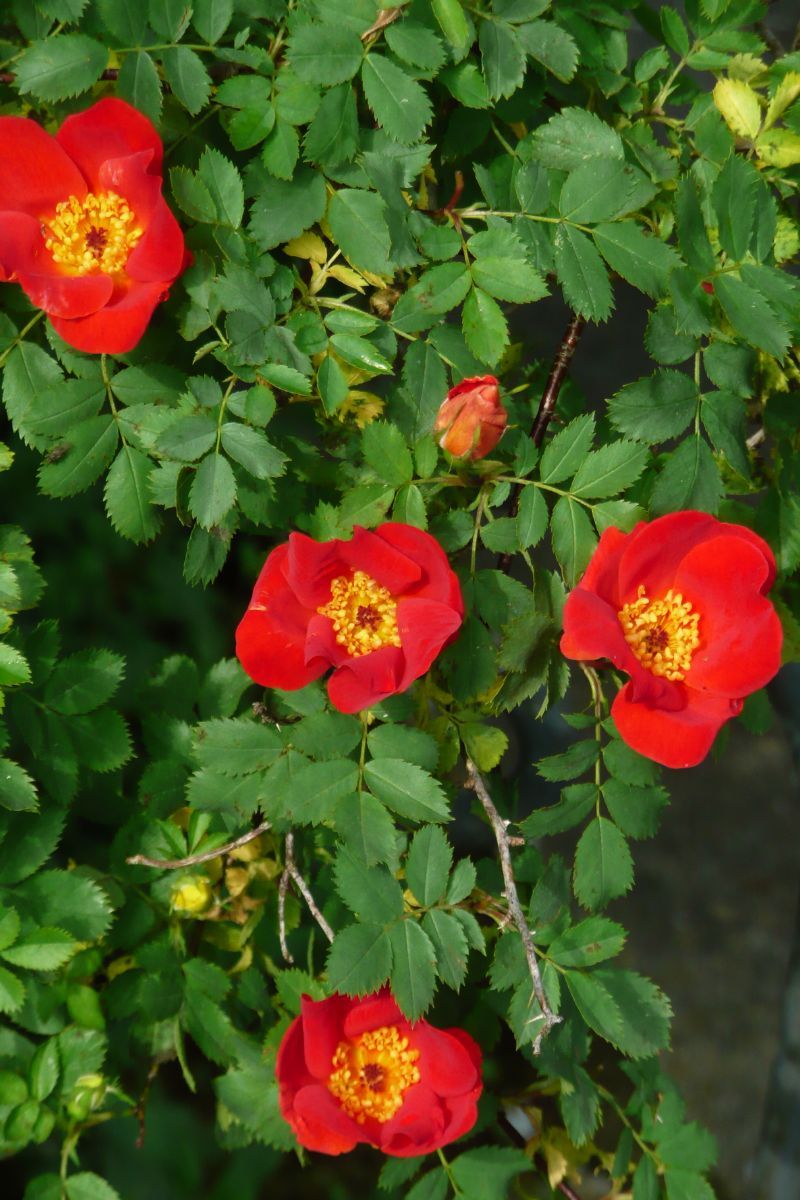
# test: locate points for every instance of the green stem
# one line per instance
(362, 757)
(222, 407)
(478, 518)
(623, 1116)
(480, 214)
(20, 336)
(448, 1172)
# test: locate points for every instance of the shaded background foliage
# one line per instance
(339, 164)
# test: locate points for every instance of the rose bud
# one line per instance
(471, 420)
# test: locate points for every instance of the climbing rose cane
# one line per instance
(679, 605)
(84, 228)
(353, 1071)
(471, 419)
(378, 609)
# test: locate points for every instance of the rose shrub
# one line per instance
(353, 1071)
(84, 228)
(679, 605)
(377, 608)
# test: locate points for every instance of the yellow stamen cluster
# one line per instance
(94, 234)
(372, 1072)
(363, 613)
(663, 633)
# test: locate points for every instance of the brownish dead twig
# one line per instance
(192, 860)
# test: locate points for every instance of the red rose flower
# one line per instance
(378, 609)
(471, 419)
(84, 228)
(353, 1071)
(679, 605)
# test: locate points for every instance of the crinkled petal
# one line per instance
(676, 738)
(418, 1126)
(361, 682)
(439, 581)
(118, 326)
(741, 634)
(311, 567)
(271, 637)
(592, 630)
(159, 253)
(444, 1061)
(35, 173)
(290, 1064)
(370, 552)
(323, 1023)
(655, 550)
(602, 574)
(321, 1124)
(109, 129)
(425, 628)
(373, 1012)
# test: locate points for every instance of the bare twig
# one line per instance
(548, 1017)
(755, 439)
(172, 864)
(141, 1106)
(555, 379)
(305, 891)
(567, 1191)
(283, 887)
(386, 16)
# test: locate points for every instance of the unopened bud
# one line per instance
(192, 895)
(471, 420)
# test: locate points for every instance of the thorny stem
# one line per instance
(547, 1017)
(283, 887)
(192, 860)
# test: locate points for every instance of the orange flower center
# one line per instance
(94, 234)
(363, 613)
(372, 1072)
(661, 633)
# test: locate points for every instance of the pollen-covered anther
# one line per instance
(372, 1072)
(94, 234)
(363, 614)
(662, 633)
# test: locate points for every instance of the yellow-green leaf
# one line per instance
(739, 105)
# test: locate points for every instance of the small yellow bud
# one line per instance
(192, 895)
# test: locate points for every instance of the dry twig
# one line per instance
(547, 1017)
(192, 860)
(283, 887)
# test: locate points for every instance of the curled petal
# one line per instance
(674, 738)
(320, 1124)
(361, 682)
(118, 326)
(109, 129)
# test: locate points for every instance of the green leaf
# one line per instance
(595, 1004)
(573, 538)
(325, 54)
(61, 66)
(317, 789)
(88, 1186)
(413, 979)
(403, 741)
(369, 892)
(236, 746)
(450, 944)
(415, 44)
(551, 46)
(502, 58)
(645, 1179)
(281, 150)
(224, 184)
(358, 223)
(407, 789)
(366, 827)
(41, 950)
(689, 1148)
(662, 339)
(609, 470)
(44, 1070)
(359, 960)
(252, 450)
(127, 496)
(332, 136)
(532, 518)
(61, 407)
(575, 761)
(636, 810)
(138, 82)
(211, 18)
(656, 408)
(603, 864)
(84, 453)
(508, 279)
(213, 491)
(734, 197)
(84, 681)
(399, 104)
(251, 1094)
(644, 1010)
(573, 137)
(751, 315)
(332, 384)
(326, 734)
(582, 275)
(12, 991)
(600, 190)
(386, 452)
(9, 927)
(188, 78)
(690, 479)
(576, 804)
(566, 451)
(69, 899)
(692, 235)
(360, 353)
(640, 259)
(587, 943)
(453, 24)
(169, 18)
(428, 864)
(433, 1186)
(625, 764)
(125, 19)
(487, 1171)
(14, 668)
(101, 740)
(485, 327)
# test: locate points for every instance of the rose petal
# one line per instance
(373, 1012)
(36, 173)
(417, 1127)
(311, 567)
(444, 1062)
(320, 1124)
(592, 630)
(425, 627)
(109, 129)
(655, 550)
(678, 738)
(364, 681)
(383, 562)
(438, 580)
(290, 1064)
(323, 1025)
(118, 326)
(159, 253)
